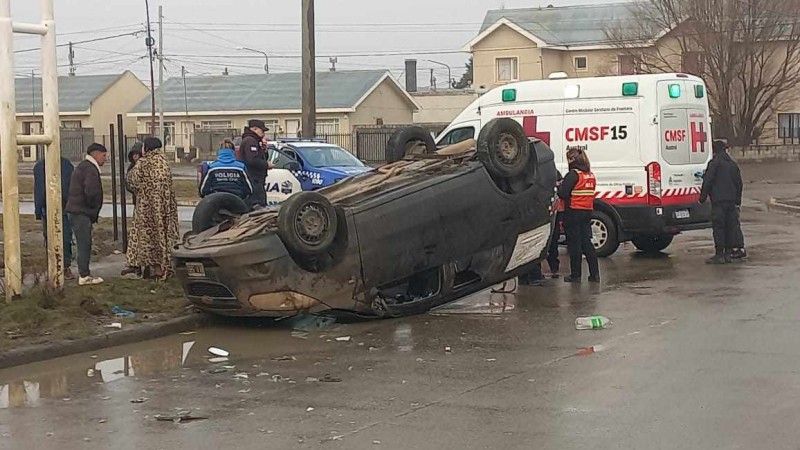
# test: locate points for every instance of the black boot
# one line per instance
(718, 258)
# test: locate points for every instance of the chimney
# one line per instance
(411, 75)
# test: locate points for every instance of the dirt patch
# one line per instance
(34, 255)
(43, 316)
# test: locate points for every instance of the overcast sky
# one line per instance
(203, 36)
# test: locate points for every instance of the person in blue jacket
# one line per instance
(226, 174)
(40, 207)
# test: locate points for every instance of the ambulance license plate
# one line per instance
(195, 270)
(682, 214)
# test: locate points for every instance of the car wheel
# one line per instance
(604, 234)
(307, 223)
(408, 141)
(216, 208)
(652, 243)
(503, 148)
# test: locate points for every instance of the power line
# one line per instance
(105, 38)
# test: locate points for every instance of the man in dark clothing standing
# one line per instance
(253, 154)
(722, 183)
(40, 210)
(83, 206)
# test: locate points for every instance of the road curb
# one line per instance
(776, 205)
(41, 352)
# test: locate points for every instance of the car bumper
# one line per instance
(671, 219)
(256, 278)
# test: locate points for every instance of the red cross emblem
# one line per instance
(699, 137)
(530, 125)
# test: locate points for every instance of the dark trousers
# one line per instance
(577, 226)
(66, 234)
(82, 227)
(259, 196)
(727, 229)
(552, 251)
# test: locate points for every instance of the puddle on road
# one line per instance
(500, 299)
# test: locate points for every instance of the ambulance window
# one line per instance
(457, 135)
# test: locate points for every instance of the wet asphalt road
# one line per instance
(698, 357)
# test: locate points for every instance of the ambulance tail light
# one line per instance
(654, 184)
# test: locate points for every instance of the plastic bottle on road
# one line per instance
(592, 323)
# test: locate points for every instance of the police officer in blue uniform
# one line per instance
(226, 174)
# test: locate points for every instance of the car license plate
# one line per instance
(195, 270)
(682, 214)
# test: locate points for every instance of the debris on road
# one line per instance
(218, 352)
(217, 370)
(590, 350)
(343, 339)
(312, 380)
(140, 400)
(114, 325)
(448, 349)
(309, 409)
(241, 376)
(592, 323)
(183, 416)
(329, 379)
(124, 313)
(285, 358)
(218, 360)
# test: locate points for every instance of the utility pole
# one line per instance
(163, 134)
(71, 61)
(333, 62)
(185, 97)
(309, 97)
(152, 77)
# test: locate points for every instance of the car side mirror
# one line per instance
(293, 166)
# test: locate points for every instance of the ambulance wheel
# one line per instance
(216, 208)
(652, 243)
(307, 223)
(409, 141)
(604, 234)
(503, 148)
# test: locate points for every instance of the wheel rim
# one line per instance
(599, 233)
(507, 149)
(312, 223)
(415, 147)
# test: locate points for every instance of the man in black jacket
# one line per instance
(40, 207)
(722, 182)
(253, 154)
(83, 205)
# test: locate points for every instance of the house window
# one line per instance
(327, 126)
(169, 132)
(693, 63)
(507, 69)
(789, 128)
(581, 63)
(379, 121)
(216, 125)
(627, 65)
(71, 124)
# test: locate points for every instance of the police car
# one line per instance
(307, 165)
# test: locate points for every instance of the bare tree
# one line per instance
(747, 51)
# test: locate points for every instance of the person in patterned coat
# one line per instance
(155, 224)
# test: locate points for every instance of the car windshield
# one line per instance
(329, 157)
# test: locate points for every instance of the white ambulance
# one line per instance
(648, 138)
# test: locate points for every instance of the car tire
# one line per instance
(503, 148)
(652, 243)
(216, 208)
(604, 234)
(307, 223)
(409, 141)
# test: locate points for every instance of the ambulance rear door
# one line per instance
(685, 141)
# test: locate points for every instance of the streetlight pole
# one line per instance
(266, 56)
(449, 72)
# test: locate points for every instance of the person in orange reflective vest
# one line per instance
(577, 190)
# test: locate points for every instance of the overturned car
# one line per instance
(419, 232)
